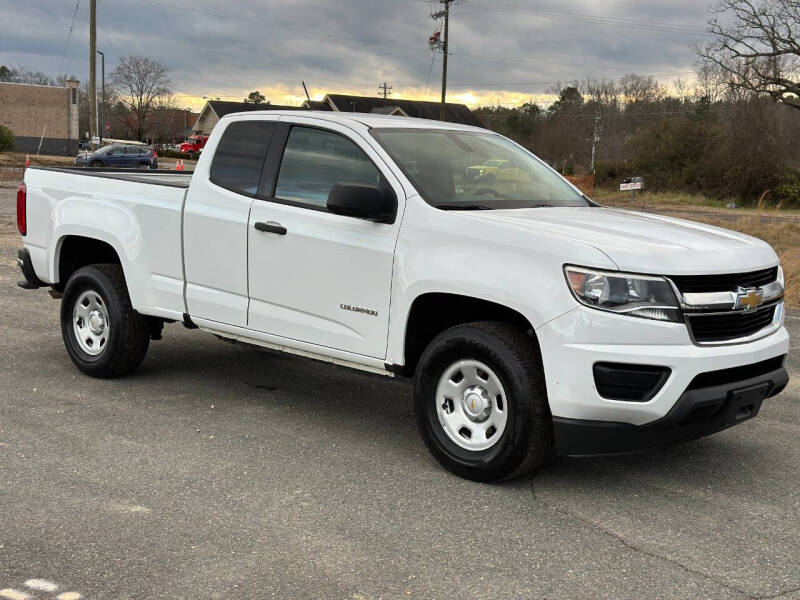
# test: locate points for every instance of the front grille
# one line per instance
(729, 282)
(724, 327)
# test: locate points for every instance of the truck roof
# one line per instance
(369, 119)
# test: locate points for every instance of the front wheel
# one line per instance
(481, 402)
(103, 335)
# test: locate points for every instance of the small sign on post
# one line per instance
(632, 184)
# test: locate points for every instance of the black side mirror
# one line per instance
(363, 201)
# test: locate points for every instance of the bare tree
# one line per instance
(140, 82)
(756, 45)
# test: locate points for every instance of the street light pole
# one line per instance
(92, 71)
(102, 110)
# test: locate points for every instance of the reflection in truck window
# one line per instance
(315, 160)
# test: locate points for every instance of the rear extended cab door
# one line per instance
(216, 218)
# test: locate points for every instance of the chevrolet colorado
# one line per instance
(532, 320)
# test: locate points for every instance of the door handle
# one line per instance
(271, 227)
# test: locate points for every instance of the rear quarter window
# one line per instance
(239, 157)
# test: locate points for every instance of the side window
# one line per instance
(240, 156)
(314, 160)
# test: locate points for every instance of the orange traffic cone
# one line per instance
(177, 165)
(27, 160)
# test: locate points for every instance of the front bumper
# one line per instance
(700, 411)
(587, 423)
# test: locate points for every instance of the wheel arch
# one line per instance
(73, 251)
(434, 312)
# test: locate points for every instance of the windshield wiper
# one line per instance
(463, 207)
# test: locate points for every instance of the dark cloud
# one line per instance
(353, 45)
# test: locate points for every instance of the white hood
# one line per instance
(644, 243)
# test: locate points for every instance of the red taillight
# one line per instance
(22, 209)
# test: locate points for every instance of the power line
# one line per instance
(361, 41)
(273, 25)
(69, 36)
(592, 19)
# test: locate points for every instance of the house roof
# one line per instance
(454, 113)
(317, 105)
(222, 108)
(389, 110)
(375, 120)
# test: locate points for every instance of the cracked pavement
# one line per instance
(222, 472)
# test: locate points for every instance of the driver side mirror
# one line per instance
(363, 201)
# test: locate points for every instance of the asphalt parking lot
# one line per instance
(222, 472)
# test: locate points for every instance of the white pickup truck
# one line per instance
(533, 320)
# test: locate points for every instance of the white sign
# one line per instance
(624, 187)
(96, 141)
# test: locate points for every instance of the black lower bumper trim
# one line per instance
(31, 281)
(697, 413)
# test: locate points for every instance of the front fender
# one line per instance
(448, 252)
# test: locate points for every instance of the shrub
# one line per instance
(611, 173)
(787, 190)
(6, 139)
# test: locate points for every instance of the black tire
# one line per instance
(128, 336)
(97, 163)
(527, 441)
(144, 165)
(490, 179)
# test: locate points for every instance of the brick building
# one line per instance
(41, 113)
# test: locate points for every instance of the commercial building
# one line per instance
(44, 118)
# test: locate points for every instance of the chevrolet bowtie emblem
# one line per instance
(749, 299)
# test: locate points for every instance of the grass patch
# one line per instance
(677, 200)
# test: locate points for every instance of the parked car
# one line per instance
(531, 319)
(496, 170)
(119, 155)
(194, 145)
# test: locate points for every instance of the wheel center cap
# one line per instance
(97, 322)
(477, 404)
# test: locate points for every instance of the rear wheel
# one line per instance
(103, 335)
(481, 403)
(144, 165)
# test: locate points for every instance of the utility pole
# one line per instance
(102, 111)
(384, 89)
(92, 71)
(596, 138)
(447, 4)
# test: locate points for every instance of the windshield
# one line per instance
(471, 170)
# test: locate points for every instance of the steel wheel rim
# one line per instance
(472, 405)
(90, 323)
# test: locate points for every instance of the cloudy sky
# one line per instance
(504, 51)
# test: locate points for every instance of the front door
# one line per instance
(315, 276)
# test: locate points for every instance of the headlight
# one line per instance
(633, 295)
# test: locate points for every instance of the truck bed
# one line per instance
(138, 213)
(179, 179)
